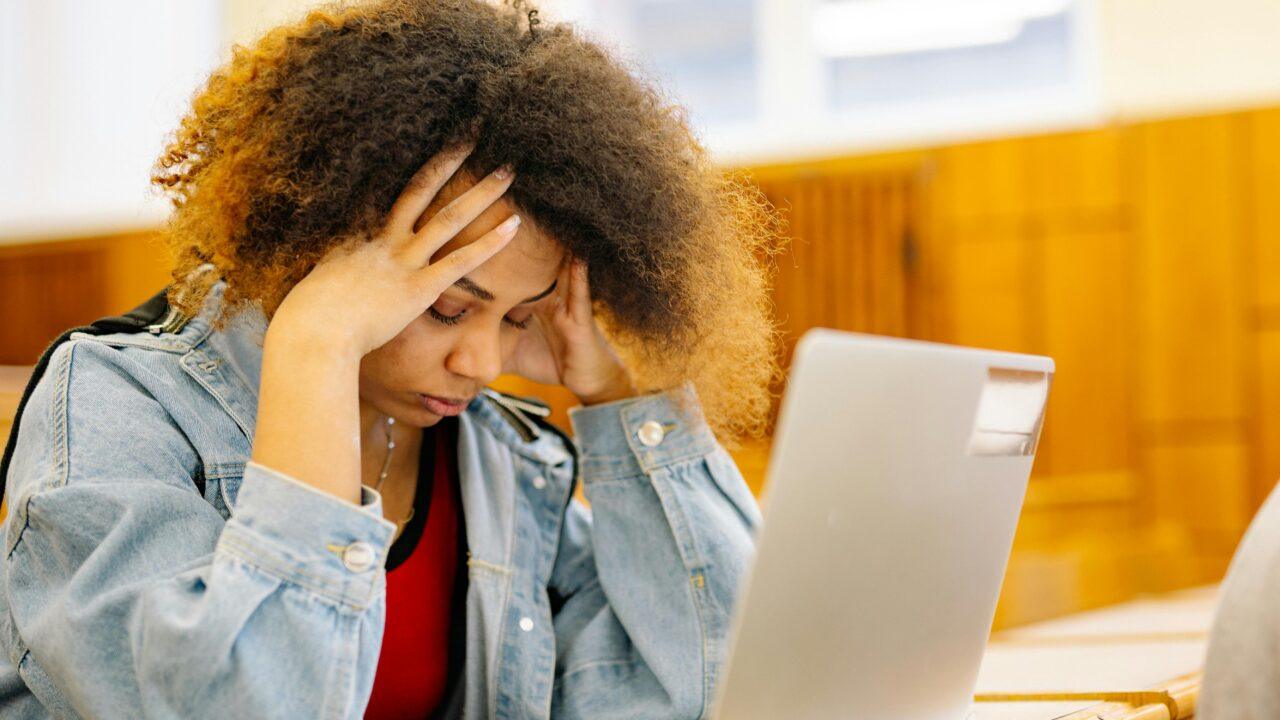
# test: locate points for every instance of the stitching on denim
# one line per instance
(295, 576)
(591, 665)
(226, 501)
(219, 471)
(373, 509)
(680, 526)
(61, 409)
(619, 477)
(201, 344)
(23, 512)
(336, 702)
(502, 611)
(242, 423)
(494, 684)
(123, 342)
(303, 579)
(494, 568)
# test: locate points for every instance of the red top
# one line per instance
(412, 669)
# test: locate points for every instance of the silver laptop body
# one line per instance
(893, 490)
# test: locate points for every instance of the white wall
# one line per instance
(1168, 57)
(245, 20)
(1158, 57)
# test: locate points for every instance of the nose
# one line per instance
(477, 356)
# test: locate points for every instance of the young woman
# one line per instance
(296, 498)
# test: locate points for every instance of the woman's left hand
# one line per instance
(564, 345)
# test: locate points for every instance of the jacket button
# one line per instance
(651, 433)
(526, 624)
(539, 482)
(358, 556)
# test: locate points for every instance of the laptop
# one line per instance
(893, 490)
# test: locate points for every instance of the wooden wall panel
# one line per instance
(13, 379)
(1074, 178)
(44, 293)
(138, 266)
(847, 263)
(1200, 488)
(1266, 437)
(1191, 306)
(50, 287)
(1264, 193)
(1087, 329)
(981, 181)
(992, 304)
(1195, 343)
(1264, 157)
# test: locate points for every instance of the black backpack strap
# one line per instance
(154, 316)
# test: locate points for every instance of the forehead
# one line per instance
(525, 267)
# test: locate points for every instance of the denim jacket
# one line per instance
(125, 593)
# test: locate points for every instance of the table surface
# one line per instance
(1139, 660)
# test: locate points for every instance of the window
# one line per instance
(88, 93)
(768, 79)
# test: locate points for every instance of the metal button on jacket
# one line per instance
(651, 433)
(358, 556)
(539, 482)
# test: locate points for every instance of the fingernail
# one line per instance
(503, 172)
(508, 226)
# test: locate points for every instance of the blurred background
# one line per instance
(1091, 179)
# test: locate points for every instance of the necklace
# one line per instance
(386, 463)
(386, 466)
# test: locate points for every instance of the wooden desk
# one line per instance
(1139, 660)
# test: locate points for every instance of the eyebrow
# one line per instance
(468, 285)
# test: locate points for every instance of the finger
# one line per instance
(425, 184)
(444, 272)
(560, 300)
(459, 213)
(579, 293)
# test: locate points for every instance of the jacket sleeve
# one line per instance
(646, 579)
(129, 596)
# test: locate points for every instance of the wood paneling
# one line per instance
(1266, 433)
(853, 239)
(1087, 329)
(983, 181)
(1264, 175)
(1128, 254)
(1191, 303)
(13, 379)
(1200, 488)
(992, 303)
(50, 287)
(1264, 216)
(45, 293)
(1074, 178)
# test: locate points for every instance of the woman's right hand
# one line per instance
(356, 299)
(364, 292)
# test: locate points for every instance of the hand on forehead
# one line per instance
(524, 268)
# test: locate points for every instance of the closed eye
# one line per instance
(455, 319)
(446, 319)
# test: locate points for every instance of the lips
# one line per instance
(443, 406)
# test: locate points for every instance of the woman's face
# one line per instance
(438, 363)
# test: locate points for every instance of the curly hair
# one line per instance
(308, 136)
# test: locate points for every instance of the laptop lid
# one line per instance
(893, 490)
